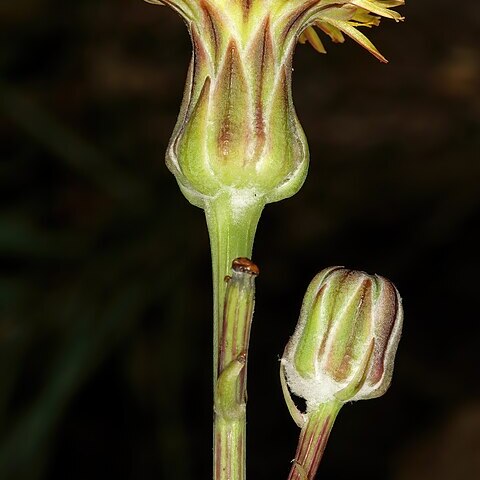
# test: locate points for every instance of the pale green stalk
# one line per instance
(231, 227)
(230, 387)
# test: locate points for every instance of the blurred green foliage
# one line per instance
(105, 285)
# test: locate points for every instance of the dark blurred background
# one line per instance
(105, 292)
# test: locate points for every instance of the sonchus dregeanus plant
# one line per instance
(238, 144)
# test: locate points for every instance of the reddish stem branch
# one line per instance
(313, 440)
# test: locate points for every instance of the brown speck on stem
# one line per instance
(245, 265)
(242, 358)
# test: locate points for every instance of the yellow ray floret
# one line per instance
(339, 18)
(335, 18)
(310, 35)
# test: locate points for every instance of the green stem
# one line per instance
(232, 234)
(231, 227)
(229, 449)
(313, 440)
(230, 391)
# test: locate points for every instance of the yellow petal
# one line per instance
(391, 3)
(359, 37)
(366, 19)
(375, 7)
(333, 32)
(310, 35)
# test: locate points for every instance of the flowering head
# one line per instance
(346, 338)
(237, 132)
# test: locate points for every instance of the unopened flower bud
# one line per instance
(345, 341)
(237, 133)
